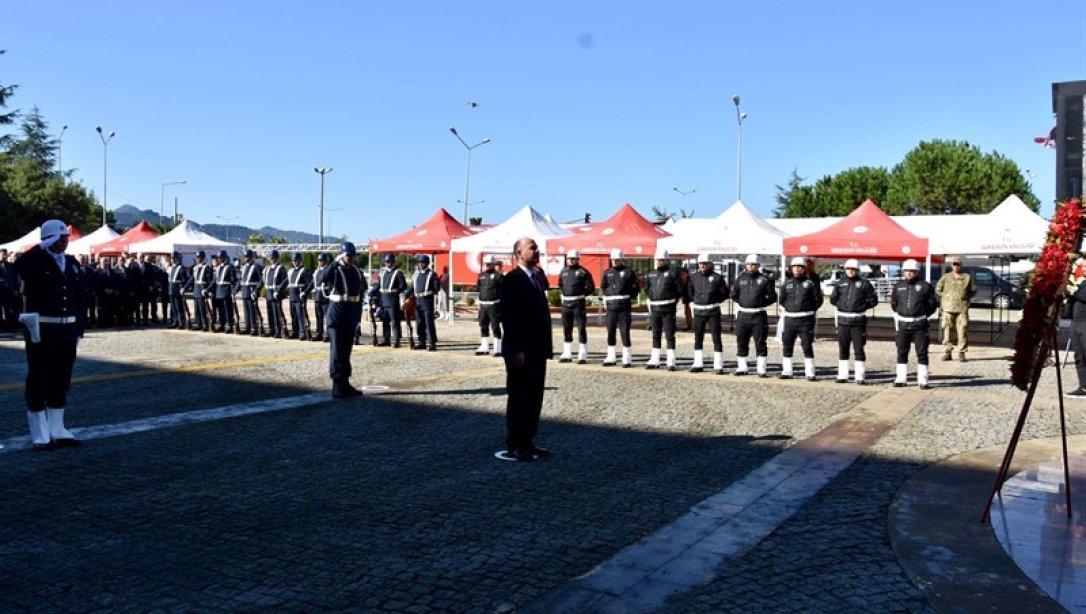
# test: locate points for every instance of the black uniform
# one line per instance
(299, 285)
(913, 302)
(852, 297)
(391, 286)
(799, 295)
(203, 284)
(752, 295)
(343, 285)
(225, 280)
(9, 290)
(576, 284)
(178, 280)
(133, 293)
(425, 286)
(250, 282)
(150, 276)
(664, 291)
(620, 289)
(275, 289)
(489, 298)
(707, 292)
(320, 301)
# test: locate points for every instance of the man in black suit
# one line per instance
(526, 349)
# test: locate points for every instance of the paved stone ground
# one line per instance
(393, 502)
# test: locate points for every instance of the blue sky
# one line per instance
(589, 104)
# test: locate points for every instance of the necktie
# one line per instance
(535, 283)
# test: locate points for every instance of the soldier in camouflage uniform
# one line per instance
(955, 289)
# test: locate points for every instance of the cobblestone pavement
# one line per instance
(393, 502)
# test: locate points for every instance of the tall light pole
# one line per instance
(740, 117)
(322, 171)
(105, 169)
(478, 202)
(227, 219)
(467, 180)
(162, 199)
(685, 193)
(60, 150)
(330, 210)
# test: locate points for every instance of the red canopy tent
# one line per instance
(627, 230)
(118, 246)
(73, 233)
(430, 237)
(866, 233)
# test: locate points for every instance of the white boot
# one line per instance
(484, 347)
(654, 359)
(786, 368)
(861, 371)
(902, 375)
(762, 367)
(718, 363)
(497, 347)
(671, 360)
(582, 355)
(809, 368)
(922, 376)
(741, 366)
(610, 359)
(567, 353)
(842, 371)
(39, 427)
(56, 424)
(626, 357)
(698, 362)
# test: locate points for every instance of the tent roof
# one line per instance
(83, 244)
(433, 235)
(627, 230)
(138, 233)
(499, 239)
(186, 238)
(867, 233)
(33, 237)
(737, 230)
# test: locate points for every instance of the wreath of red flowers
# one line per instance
(1046, 289)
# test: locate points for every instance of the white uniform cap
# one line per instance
(662, 254)
(616, 254)
(573, 254)
(704, 257)
(798, 261)
(910, 265)
(752, 259)
(852, 263)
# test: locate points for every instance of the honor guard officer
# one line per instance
(800, 298)
(203, 284)
(343, 285)
(299, 284)
(852, 296)
(54, 317)
(425, 286)
(275, 289)
(708, 291)
(576, 285)
(178, 280)
(393, 285)
(753, 293)
(251, 272)
(320, 301)
(225, 280)
(913, 301)
(664, 291)
(490, 282)
(620, 289)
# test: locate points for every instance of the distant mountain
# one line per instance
(128, 216)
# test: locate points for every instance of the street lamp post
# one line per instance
(330, 210)
(322, 171)
(467, 180)
(227, 219)
(162, 199)
(740, 117)
(60, 150)
(685, 193)
(478, 202)
(105, 169)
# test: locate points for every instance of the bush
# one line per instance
(470, 301)
(554, 298)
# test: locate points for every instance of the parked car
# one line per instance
(830, 278)
(992, 289)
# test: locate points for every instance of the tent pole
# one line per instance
(927, 267)
(449, 299)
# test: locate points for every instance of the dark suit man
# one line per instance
(526, 348)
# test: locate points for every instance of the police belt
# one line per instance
(579, 297)
(847, 315)
(708, 307)
(662, 302)
(335, 298)
(422, 294)
(751, 309)
(390, 291)
(223, 283)
(907, 320)
(489, 302)
(295, 285)
(796, 314)
(617, 297)
(56, 320)
(251, 283)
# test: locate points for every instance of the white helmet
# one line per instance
(573, 253)
(616, 254)
(704, 257)
(752, 259)
(662, 254)
(798, 261)
(910, 265)
(852, 263)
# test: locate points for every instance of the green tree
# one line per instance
(256, 237)
(34, 141)
(832, 195)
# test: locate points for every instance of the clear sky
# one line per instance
(589, 104)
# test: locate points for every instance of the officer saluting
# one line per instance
(620, 290)
(664, 291)
(343, 285)
(752, 292)
(489, 284)
(800, 298)
(177, 281)
(391, 285)
(708, 291)
(250, 292)
(299, 283)
(425, 286)
(851, 297)
(575, 284)
(913, 301)
(320, 301)
(53, 291)
(203, 281)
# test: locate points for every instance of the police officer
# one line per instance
(620, 289)
(275, 289)
(53, 290)
(708, 291)
(320, 301)
(753, 292)
(955, 289)
(151, 276)
(203, 283)
(800, 298)
(576, 285)
(226, 279)
(299, 284)
(250, 292)
(913, 301)
(392, 285)
(489, 284)
(851, 297)
(664, 290)
(343, 285)
(178, 280)
(425, 286)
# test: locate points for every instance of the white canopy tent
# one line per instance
(24, 242)
(737, 230)
(186, 238)
(82, 245)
